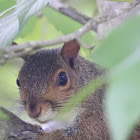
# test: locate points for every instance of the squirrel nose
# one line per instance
(34, 111)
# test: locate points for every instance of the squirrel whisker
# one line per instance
(11, 100)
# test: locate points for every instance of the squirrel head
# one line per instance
(48, 79)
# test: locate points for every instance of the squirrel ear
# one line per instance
(70, 51)
(25, 56)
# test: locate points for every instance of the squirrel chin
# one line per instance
(46, 116)
(67, 121)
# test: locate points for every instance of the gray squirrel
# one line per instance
(48, 79)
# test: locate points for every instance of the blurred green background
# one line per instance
(49, 26)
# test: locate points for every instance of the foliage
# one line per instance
(16, 19)
(5, 4)
(120, 55)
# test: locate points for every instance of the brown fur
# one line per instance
(39, 92)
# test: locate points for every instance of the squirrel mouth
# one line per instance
(42, 122)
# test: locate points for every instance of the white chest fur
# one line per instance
(66, 121)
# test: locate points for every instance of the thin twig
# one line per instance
(60, 7)
(91, 46)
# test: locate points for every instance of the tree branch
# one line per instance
(115, 8)
(60, 7)
(12, 127)
(28, 47)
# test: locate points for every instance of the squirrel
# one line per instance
(48, 79)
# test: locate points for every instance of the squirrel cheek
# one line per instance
(23, 98)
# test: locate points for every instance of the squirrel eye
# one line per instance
(18, 82)
(62, 79)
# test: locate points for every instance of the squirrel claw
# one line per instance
(39, 128)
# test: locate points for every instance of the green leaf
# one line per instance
(120, 55)
(123, 102)
(7, 11)
(5, 4)
(119, 44)
(14, 21)
(29, 27)
(61, 22)
(88, 7)
(37, 29)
